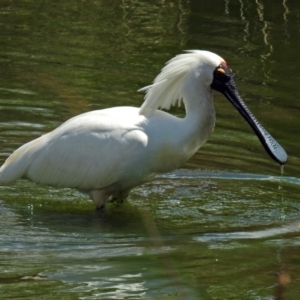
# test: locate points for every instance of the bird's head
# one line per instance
(196, 70)
(222, 81)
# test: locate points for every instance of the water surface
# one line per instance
(222, 227)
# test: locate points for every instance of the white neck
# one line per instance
(200, 114)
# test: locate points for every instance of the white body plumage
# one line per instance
(108, 152)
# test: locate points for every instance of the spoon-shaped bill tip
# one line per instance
(273, 148)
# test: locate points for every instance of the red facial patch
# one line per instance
(223, 63)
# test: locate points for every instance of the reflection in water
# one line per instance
(263, 26)
(226, 10)
(182, 25)
(154, 22)
(285, 24)
(244, 19)
(265, 30)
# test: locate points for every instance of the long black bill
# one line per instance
(224, 83)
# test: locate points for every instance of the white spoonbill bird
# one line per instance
(106, 153)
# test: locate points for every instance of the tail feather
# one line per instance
(16, 165)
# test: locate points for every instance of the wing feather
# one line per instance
(92, 150)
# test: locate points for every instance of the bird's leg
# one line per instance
(99, 197)
(120, 196)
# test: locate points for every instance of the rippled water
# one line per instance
(222, 227)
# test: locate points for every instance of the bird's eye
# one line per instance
(220, 71)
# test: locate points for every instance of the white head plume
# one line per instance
(167, 88)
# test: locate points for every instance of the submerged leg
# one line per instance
(99, 197)
(120, 196)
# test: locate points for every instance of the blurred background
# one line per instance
(225, 225)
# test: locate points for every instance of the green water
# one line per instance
(222, 227)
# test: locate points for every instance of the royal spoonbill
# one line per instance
(106, 153)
